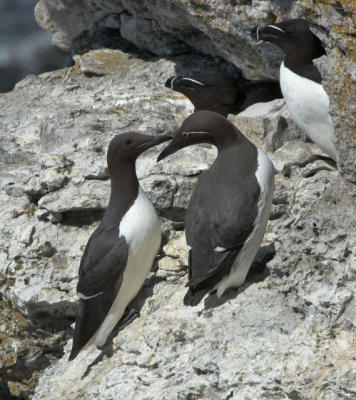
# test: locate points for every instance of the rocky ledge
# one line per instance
(289, 332)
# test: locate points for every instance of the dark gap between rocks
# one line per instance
(81, 218)
(37, 346)
(34, 196)
(99, 37)
(5, 393)
(174, 214)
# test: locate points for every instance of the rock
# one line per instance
(268, 125)
(168, 29)
(287, 333)
(224, 30)
(54, 180)
(102, 37)
(25, 351)
(146, 34)
(173, 265)
(294, 152)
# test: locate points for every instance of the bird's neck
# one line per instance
(292, 60)
(305, 56)
(124, 191)
(223, 142)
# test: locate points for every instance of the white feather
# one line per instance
(257, 35)
(84, 297)
(219, 249)
(276, 27)
(173, 81)
(193, 80)
(308, 105)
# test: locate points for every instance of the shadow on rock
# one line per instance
(5, 394)
(201, 62)
(104, 38)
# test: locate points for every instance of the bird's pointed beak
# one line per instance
(154, 141)
(184, 139)
(175, 145)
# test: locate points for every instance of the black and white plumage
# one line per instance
(300, 79)
(229, 208)
(223, 94)
(120, 252)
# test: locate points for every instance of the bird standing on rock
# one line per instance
(120, 252)
(228, 212)
(223, 94)
(300, 79)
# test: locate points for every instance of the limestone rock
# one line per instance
(173, 265)
(146, 34)
(268, 125)
(224, 30)
(287, 333)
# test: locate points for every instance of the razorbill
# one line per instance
(223, 94)
(228, 212)
(120, 252)
(300, 79)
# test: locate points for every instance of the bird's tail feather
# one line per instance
(198, 289)
(90, 314)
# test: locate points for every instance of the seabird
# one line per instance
(228, 212)
(120, 252)
(300, 79)
(223, 94)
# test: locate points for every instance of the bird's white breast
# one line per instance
(308, 105)
(141, 230)
(139, 223)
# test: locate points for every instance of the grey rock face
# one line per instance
(55, 130)
(223, 29)
(287, 333)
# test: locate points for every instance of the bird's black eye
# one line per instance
(128, 142)
(185, 135)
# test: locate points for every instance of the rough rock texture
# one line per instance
(222, 29)
(289, 332)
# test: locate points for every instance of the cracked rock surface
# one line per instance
(222, 28)
(289, 332)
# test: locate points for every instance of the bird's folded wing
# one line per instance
(103, 262)
(216, 238)
(100, 277)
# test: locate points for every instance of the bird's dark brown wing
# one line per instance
(221, 215)
(259, 92)
(100, 276)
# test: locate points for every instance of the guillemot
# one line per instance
(228, 212)
(120, 252)
(223, 94)
(300, 79)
